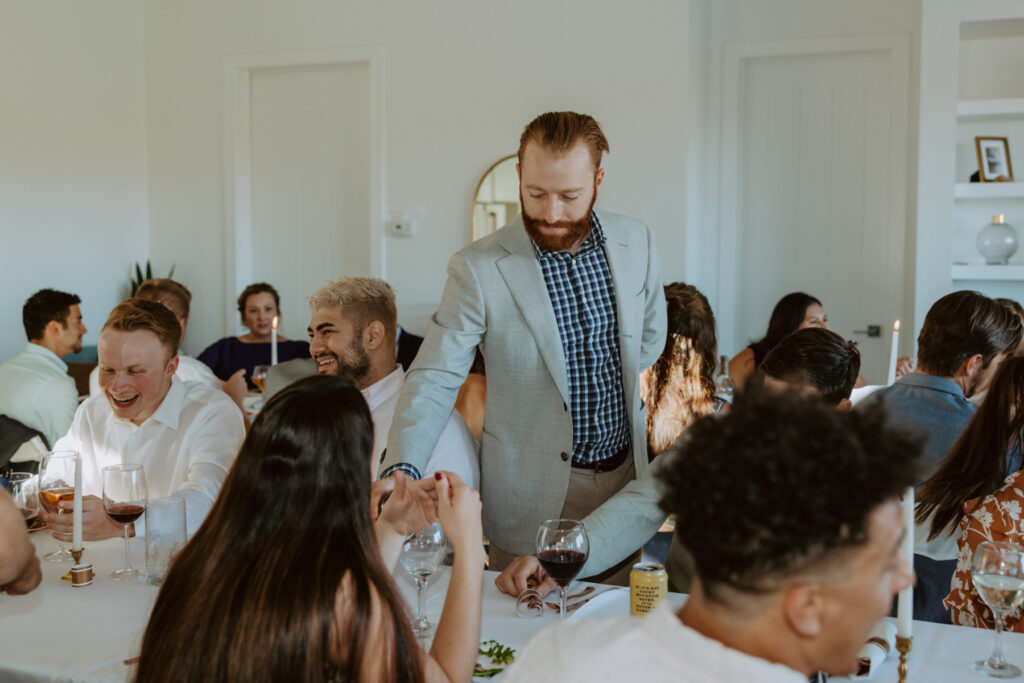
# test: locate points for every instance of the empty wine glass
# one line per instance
(22, 487)
(998, 575)
(421, 554)
(562, 548)
(57, 484)
(124, 499)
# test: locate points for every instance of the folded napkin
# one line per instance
(881, 642)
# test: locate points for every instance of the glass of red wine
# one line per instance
(562, 548)
(22, 487)
(124, 499)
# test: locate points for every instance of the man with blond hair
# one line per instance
(566, 305)
(352, 334)
(184, 434)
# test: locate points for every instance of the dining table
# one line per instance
(92, 633)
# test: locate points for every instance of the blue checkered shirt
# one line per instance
(582, 295)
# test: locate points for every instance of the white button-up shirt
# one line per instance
(186, 447)
(656, 648)
(457, 450)
(36, 390)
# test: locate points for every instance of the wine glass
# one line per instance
(124, 499)
(998, 575)
(421, 554)
(57, 484)
(22, 487)
(259, 373)
(562, 548)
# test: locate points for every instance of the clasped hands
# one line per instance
(96, 524)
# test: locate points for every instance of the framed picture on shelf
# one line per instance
(994, 160)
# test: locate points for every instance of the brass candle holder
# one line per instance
(903, 645)
(77, 554)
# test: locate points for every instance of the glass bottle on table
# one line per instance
(997, 572)
(57, 484)
(562, 549)
(125, 495)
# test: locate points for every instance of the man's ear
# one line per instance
(373, 335)
(972, 366)
(845, 406)
(172, 366)
(52, 330)
(803, 607)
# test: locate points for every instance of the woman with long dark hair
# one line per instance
(680, 386)
(285, 580)
(793, 312)
(984, 455)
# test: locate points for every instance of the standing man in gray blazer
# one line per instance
(567, 307)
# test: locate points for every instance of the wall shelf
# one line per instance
(980, 271)
(989, 191)
(1004, 108)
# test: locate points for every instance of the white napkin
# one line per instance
(880, 643)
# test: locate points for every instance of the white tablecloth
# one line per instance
(60, 633)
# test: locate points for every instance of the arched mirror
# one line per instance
(496, 201)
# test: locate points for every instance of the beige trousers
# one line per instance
(588, 489)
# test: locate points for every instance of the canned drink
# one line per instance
(648, 585)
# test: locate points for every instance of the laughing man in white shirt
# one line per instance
(185, 434)
(792, 511)
(352, 334)
(35, 388)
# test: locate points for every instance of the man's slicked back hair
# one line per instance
(780, 487)
(962, 324)
(44, 306)
(560, 131)
(361, 300)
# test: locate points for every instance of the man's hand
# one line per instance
(523, 573)
(411, 506)
(236, 388)
(29, 578)
(96, 525)
(904, 366)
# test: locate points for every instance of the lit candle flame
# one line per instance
(274, 323)
(895, 328)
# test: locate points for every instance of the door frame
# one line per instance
(736, 58)
(238, 71)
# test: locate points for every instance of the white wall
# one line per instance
(462, 78)
(72, 155)
(742, 21)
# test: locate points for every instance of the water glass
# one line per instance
(165, 536)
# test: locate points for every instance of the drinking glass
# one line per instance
(259, 373)
(124, 499)
(57, 484)
(165, 535)
(998, 575)
(562, 548)
(421, 554)
(22, 487)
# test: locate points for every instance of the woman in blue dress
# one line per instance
(258, 304)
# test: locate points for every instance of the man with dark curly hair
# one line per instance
(797, 555)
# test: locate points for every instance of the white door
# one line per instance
(818, 178)
(310, 178)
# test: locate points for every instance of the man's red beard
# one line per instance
(576, 230)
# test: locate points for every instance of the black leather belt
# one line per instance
(608, 464)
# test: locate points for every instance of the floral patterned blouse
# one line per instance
(996, 517)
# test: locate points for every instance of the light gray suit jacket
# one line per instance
(496, 298)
